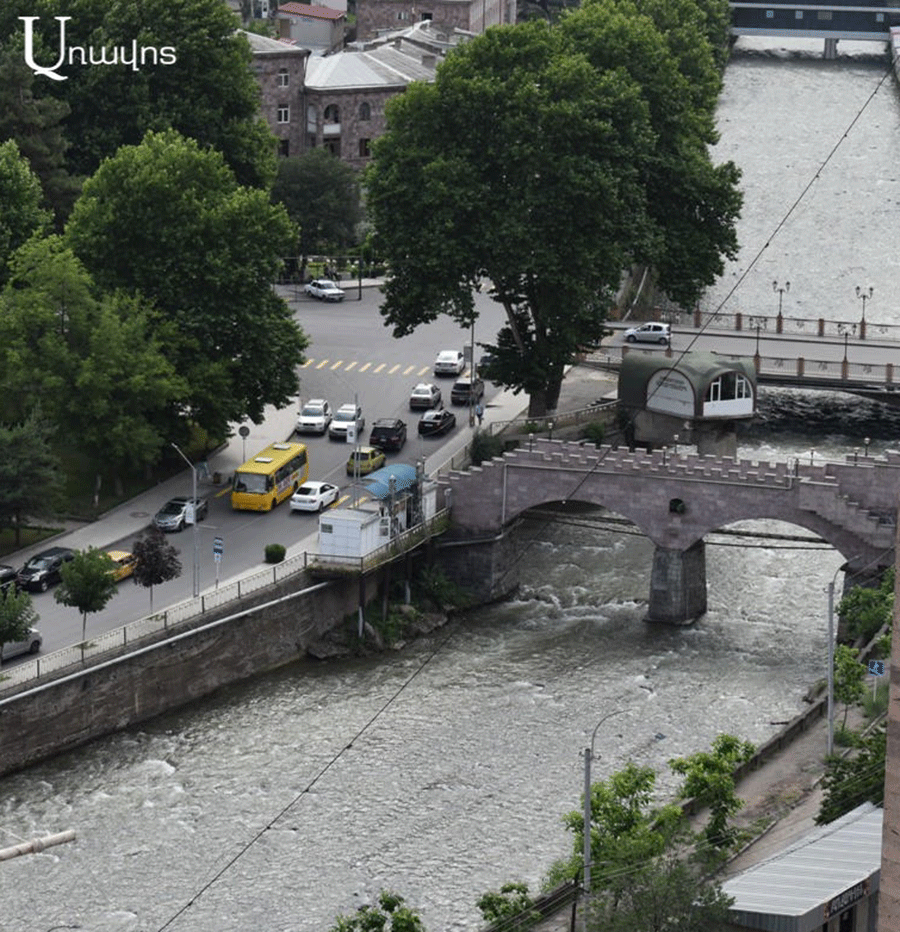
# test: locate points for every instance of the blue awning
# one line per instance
(378, 483)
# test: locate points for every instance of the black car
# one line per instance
(7, 577)
(42, 570)
(434, 423)
(388, 433)
(467, 391)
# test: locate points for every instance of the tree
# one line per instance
(21, 195)
(848, 678)
(709, 778)
(668, 892)
(851, 781)
(390, 914)
(30, 476)
(156, 561)
(484, 172)
(865, 610)
(512, 900)
(167, 221)
(321, 195)
(87, 584)
(209, 93)
(17, 615)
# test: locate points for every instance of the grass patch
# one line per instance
(28, 536)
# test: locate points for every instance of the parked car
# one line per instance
(314, 496)
(449, 362)
(314, 417)
(388, 433)
(42, 570)
(467, 390)
(364, 460)
(424, 395)
(343, 418)
(434, 423)
(649, 333)
(178, 512)
(7, 577)
(30, 645)
(324, 289)
(124, 561)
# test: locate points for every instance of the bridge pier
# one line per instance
(678, 585)
(830, 49)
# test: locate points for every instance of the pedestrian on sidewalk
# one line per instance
(479, 412)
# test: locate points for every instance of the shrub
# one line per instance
(274, 553)
(485, 447)
(595, 432)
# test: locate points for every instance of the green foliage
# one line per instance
(274, 553)
(390, 914)
(167, 221)
(87, 583)
(709, 778)
(485, 447)
(511, 901)
(156, 560)
(625, 830)
(29, 472)
(594, 432)
(17, 615)
(865, 610)
(321, 195)
(848, 677)
(667, 892)
(877, 704)
(435, 588)
(21, 196)
(851, 781)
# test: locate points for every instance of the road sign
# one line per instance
(218, 547)
(876, 667)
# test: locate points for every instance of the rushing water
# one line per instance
(443, 770)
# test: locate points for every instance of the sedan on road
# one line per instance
(423, 396)
(124, 561)
(648, 333)
(314, 496)
(30, 645)
(324, 289)
(178, 512)
(449, 362)
(435, 423)
(42, 570)
(364, 460)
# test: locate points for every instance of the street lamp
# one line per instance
(588, 757)
(864, 296)
(193, 521)
(781, 289)
(866, 442)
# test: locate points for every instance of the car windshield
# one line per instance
(345, 416)
(325, 283)
(307, 490)
(312, 410)
(37, 563)
(172, 508)
(249, 482)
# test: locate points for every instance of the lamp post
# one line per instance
(781, 289)
(864, 296)
(588, 757)
(866, 442)
(193, 521)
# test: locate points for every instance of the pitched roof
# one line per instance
(308, 9)
(385, 66)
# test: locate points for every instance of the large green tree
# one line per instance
(21, 214)
(87, 584)
(209, 93)
(522, 164)
(167, 220)
(851, 781)
(321, 196)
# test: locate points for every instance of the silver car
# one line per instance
(31, 645)
(177, 512)
(649, 333)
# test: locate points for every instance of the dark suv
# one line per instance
(42, 570)
(388, 433)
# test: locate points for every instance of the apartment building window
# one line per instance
(332, 114)
(364, 148)
(284, 148)
(365, 111)
(284, 79)
(284, 114)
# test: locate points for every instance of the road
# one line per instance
(351, 354)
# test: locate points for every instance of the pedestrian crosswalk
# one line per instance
(370, 368)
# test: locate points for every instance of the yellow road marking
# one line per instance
(393, 369)
(350, 365)
(408, 369)
(379, 368)
(366, 366)
(307, 363)
(338, 364)
(322, 364)
(424, 370)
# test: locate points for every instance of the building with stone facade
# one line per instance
(318, 28)
(374, 17)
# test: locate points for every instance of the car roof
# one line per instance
(387, 422)
(348, 407)
(316, 401)
(313, 484)
(118, 554)
(424, 387)
(366, 450)
(433, 415)
(449, 352)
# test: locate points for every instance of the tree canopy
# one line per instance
(20, 196)
(548, 160)
(156, 560)
(87, 583)
(17, 615)
(167, 222)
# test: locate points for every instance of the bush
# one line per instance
(274, 553)
(485, 447)
(595, 432)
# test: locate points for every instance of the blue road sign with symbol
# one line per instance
(218, 546)
(876, 667)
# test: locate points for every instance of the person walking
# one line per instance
(479, 412)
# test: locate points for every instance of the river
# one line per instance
(443, 770)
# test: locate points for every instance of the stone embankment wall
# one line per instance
(276, 626)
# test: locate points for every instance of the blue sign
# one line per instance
(876, 667)
(218, 546)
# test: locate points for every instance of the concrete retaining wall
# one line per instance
(271, 629)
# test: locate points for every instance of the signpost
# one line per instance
(218, 550)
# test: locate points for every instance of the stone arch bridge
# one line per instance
(675, 500)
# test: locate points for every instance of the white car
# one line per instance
(314, 496)
(649, 333)
(449, 362)
(314, 417)
(424, 396)
(343, 418)
(31, 645)
(324, 289)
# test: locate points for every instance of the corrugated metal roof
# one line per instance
(788, 892)
(381, 67)
(263, 45)
(378, 483)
